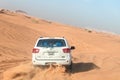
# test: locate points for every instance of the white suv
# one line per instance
(54, 51)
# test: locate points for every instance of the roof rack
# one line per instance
(41, 37)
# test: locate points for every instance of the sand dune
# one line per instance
(96, 55)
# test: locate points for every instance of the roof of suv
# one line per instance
(52, 38)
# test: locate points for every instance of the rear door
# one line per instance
(51, 49)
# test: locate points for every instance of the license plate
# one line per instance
(51, 53)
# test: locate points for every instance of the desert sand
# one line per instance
(96, 57)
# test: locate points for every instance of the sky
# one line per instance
(103, 15)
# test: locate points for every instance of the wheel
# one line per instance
(69, 67)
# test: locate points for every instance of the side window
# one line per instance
(39, 44)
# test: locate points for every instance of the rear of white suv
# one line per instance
(52, 51)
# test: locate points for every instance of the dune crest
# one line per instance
(96, 56)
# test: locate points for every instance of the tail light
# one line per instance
(35, 50)
(66, 50)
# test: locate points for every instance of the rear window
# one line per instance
(51, 43)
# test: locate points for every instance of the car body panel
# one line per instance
(51, 54)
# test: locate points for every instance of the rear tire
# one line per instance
(69, 67)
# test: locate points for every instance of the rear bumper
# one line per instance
(51, 61)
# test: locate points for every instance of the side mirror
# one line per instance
(72, 47)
